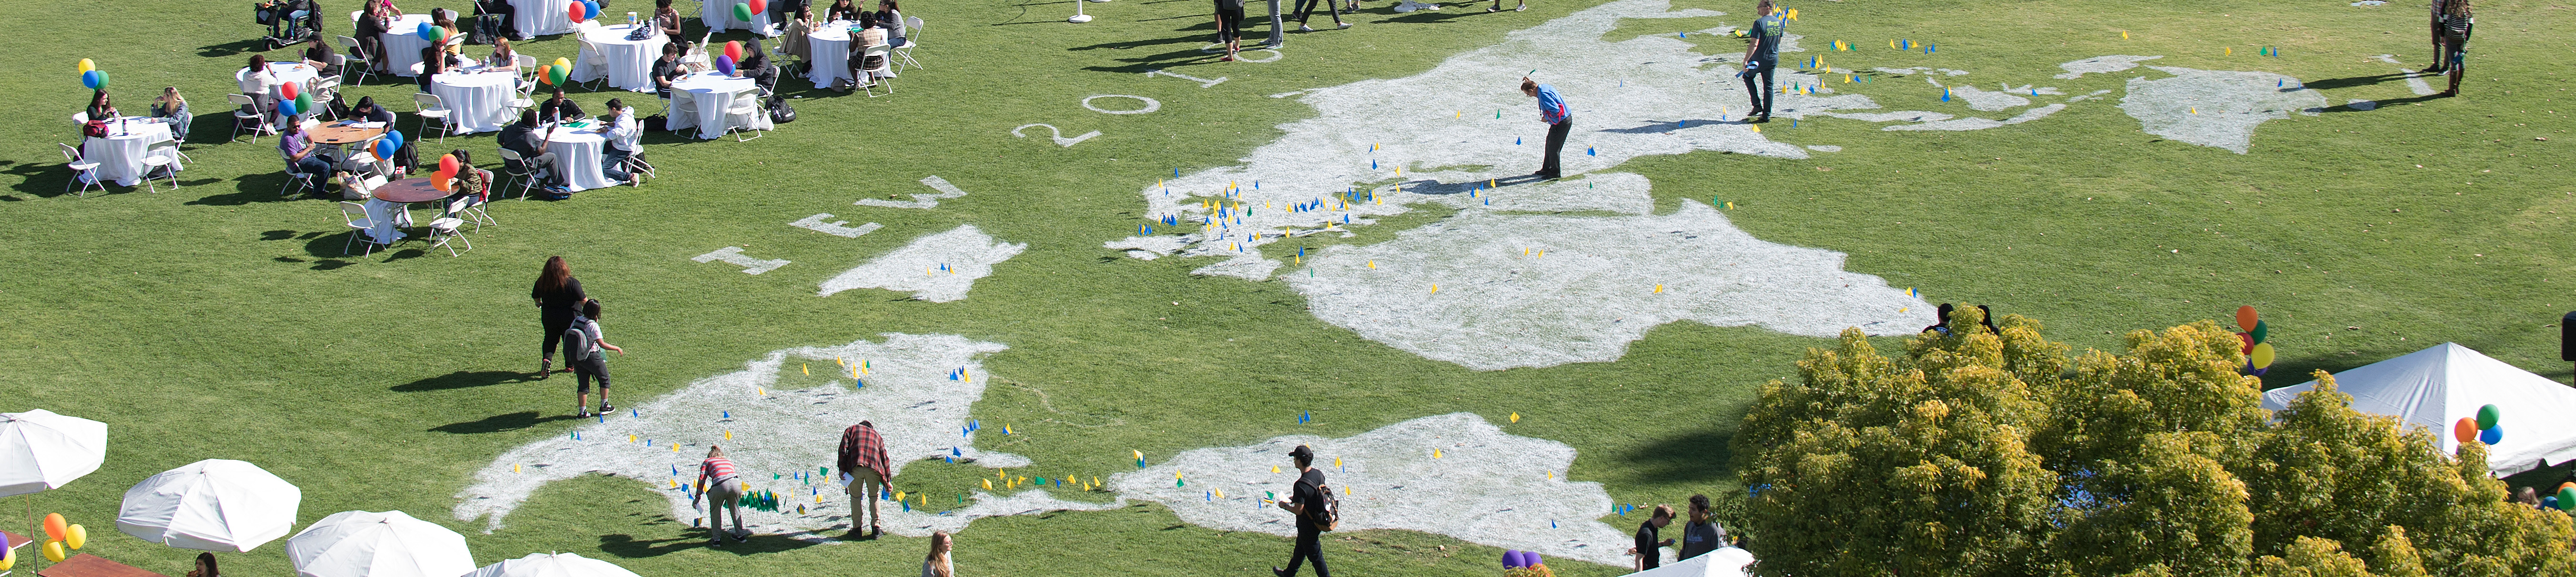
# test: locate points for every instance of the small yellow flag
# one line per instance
(1274, 468)
(1435, 288)
(988, 484)
(728, 434)
(1435, 453)
(805, 368)
(1516, 416)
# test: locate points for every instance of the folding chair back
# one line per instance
(84, 173)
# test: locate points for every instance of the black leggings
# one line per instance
(556, 321)
(1309, 546)
(1229, 25)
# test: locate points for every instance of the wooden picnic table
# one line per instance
(87, 565)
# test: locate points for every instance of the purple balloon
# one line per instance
(1530, 559)
(1511, 558)
(724, 64)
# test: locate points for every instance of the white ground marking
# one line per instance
(2103, 64)
(908, 396)
(1986, 100)
(936, 268)
(1055, 133)
(1536, 291)
(1973, 123)
(1486, 487)
(840, 228)
(1150, 104)
(945, 189)
(2414, 82)
(733, 255)
(2215, 107)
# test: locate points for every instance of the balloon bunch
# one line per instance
(763, 500)
(2566, 498)
(445, 178)
(60, 539)
(293, 99)
(430, 32)
(743, 10)
(582, 11)
(2484, 427)
(555, 73)
(1525, 564)
(385, 147)
(2258, 353)
(91, 76)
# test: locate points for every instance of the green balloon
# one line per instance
(556, 74)
(304, 101)
(102, 79)
(2487, 417)
(2260, 328)
(742, 12)
(2567, 498)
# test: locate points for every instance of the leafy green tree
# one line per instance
(1979, 453)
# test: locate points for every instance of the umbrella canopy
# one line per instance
(214, 504)
(552, 565)
(41, 450)
(388, 544)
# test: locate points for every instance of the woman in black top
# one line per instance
(841, 10)
(99, 107)
(319, 56)
(433, 61)
(558, 297)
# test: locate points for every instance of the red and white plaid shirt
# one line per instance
(862, 448)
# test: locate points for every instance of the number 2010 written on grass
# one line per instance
(1057, 134)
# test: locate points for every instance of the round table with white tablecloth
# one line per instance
(830, 48)
(699, 101)
(538, 17)
(120, 154)
(577, 155)
(477, 101)
(718, 14)
(403, 43)
(627, 64)
(296, 72)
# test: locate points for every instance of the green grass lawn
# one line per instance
(222, 321)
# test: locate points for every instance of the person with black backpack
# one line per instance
(1316, 510)
(582, 343)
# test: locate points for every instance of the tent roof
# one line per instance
(2437, 386)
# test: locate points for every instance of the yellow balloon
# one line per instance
(564, 62)
(86, 66)
(54, 551)
(79, 536)
(8, 560)
(2262, 355)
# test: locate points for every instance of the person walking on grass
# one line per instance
(1551, 110)
(1702, 534)
(1648, 551)
(2456, 23)
(1762, 56)
(582, 346)
(863, 459)
(559, 299)
(723, 490)
(1229, 27)
(1306, 9)
(938, 565)
(1306, 502)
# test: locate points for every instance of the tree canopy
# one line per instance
(1979, 453)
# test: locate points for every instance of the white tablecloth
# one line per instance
(296, 72)
(120, 154)
(535, 17)
(831, 49)
(699, 101)
(718, 14)
(478, 101)
(403, 43)
(386, 217)
(628, 64)
(577, 159)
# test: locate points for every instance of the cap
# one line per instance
(1301, 451)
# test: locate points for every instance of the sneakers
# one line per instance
(1341, 25)
(1524, 7)
(1305, 28)
(604, 408)
(580, 411)
(1227, 58)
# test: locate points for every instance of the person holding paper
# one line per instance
(863, 464)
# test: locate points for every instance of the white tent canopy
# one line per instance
(388, 544)
(41, 450)
(214, 504)
(2437, 386)
(552, 565)
(1727, 562)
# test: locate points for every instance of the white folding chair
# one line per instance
(293, 177)
(591, 53)
(325, 90)
(444, 229)
(911, 39)
(80, 118)
(257, 119)
(162, 156)
(517, 167)
(527, 72)
(352, 54)
(476, 209)
(429, 106)
(745, 104)
(359, 223)
(883, 74)
(84, 172)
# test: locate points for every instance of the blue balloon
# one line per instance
(1530, 559)
(396, 136)
(385, 148)
(589, 10)
(93, 79)
(2491, 435)
(427, 32)
(286, 107)
(2550, 502)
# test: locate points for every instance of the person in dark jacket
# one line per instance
(526, 139)
(1305, 500)
(1702, 534)
(559, 298)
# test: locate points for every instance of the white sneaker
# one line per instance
(1342, 25)
(1304, 28)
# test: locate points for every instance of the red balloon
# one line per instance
(759, 6)
(288, 90)
(576, 12)
(733, 48)
(447, 163)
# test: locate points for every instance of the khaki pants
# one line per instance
(723, 497)
(864, 487)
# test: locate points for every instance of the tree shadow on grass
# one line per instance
(463, 380)
(627, 546)
(500, 423)
(1693, 457)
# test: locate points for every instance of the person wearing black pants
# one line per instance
(1761, 57)
(1229, 27)
(1305, 502)
(559, 299)
(1306, 9)
(1560, 121)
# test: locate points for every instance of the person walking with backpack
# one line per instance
(582, 343)
(559, 299)
(1316, 510)
(863, 458)
(722, 487)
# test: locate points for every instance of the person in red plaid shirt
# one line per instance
(863, 458)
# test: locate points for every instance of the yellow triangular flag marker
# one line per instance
(803, 367)
(1346, 489)
(1659, 289)
(1274, 469)
(1755, 128)
(988, 484)
(2124, 35)
(1220, 493)
(630, 438)
(1551, 475)
(1435, 453)
(728, 434)
(1435, 288)
(1337, 462)
(514, 467)
(1516, 416)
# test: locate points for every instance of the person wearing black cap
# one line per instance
(1305, 501)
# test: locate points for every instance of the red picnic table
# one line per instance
(87, 565)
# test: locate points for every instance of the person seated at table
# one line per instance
(799, 34)
(468, 184)
(668, 69)
(372, 26)
(302, 153)
(171, 106)
(529, 140)
(444, 19)
(667, 19)
(841, 10)
(99, 108)
(205, 566)
(258, 83)
(625, 139)
(504, 58)
(433, 62)
(861, 38)
(558, 109)
(891, 20)
(755, 65)
(385, 7)
(368, 111)
(319, 56)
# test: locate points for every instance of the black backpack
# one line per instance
(1327, 512)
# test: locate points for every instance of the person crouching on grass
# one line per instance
(723, 490)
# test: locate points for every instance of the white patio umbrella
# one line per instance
(552, 565)
(41, 450)
(388, 544)
(214, 504)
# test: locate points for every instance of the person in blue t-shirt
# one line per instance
(1761, 56)
(1551, 110)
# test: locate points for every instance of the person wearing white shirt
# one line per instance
(260, 85)
(625, 137)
